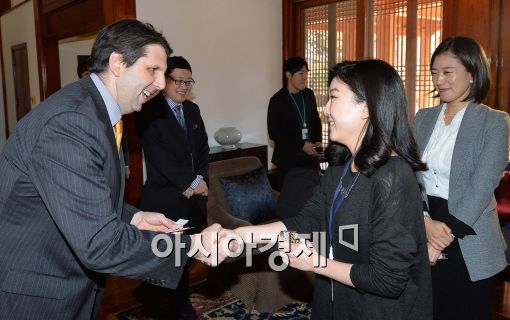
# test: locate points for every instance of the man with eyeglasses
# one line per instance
(176, 153)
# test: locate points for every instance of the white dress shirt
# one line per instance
(438, 154)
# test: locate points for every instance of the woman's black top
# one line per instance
(390, 272)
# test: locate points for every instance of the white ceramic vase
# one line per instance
(228, 136)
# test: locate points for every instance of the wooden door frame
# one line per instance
(13, 49)
(292, 17)
(4, 96)
(60, 19)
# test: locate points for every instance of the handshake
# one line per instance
(205, 246)
(214, 244)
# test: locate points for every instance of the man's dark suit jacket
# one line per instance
(173, 160)
(284, 127)
(62, 217)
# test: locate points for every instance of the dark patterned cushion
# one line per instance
(250, 196)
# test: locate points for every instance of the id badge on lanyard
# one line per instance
(304, 133)
(302, 117)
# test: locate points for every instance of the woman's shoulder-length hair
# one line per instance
(379, 85)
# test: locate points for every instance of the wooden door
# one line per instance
(21, 79)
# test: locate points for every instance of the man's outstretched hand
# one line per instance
(153, 221)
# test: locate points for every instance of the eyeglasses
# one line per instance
(180, 82)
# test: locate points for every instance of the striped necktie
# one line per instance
(118, 133)
(178, 115)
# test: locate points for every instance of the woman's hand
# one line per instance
(303, 256)
(438, 234)
(309, 148)
(433, 254)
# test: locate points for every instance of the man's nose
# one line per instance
(160, 81)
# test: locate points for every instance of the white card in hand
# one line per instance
(182, 222)
(180, 226)
(179, 229)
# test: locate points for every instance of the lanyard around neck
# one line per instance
(301, 116)
(344, 192)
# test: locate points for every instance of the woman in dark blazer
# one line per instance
(369, 210)
(465, 145)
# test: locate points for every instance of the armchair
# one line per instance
(258, 287)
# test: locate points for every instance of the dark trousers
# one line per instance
(169, 304)
(165, 303)
(455, 296)
(303, 161)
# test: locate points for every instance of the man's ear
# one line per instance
(288, 75)
(116, 63)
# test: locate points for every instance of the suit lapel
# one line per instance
(120, 201)
(426, 127)
(102, 114)
(468, 131)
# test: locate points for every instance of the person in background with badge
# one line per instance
(293, 122)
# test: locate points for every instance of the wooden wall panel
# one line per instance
(467, 18)
(484, 21)
(5, 5)
(47, 57)
(115, 10)
(492, 48)
(360, 29)
(50, 5)
(503, 76)
(83, 17)
(4, 96)
(288, 29)
(60, 19)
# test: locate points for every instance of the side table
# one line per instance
(241, 150)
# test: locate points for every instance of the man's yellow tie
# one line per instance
(118, 133)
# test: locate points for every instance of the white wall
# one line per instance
(68, 52)
(18, 27)
(235, 51)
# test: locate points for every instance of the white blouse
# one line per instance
(438, 154)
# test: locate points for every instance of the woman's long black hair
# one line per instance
(379, 85)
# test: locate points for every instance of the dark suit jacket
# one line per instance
(284, 127)
(173, 159)
(62, 217)
(125, 151)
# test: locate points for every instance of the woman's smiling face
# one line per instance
(346, 116)
(450, 78)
